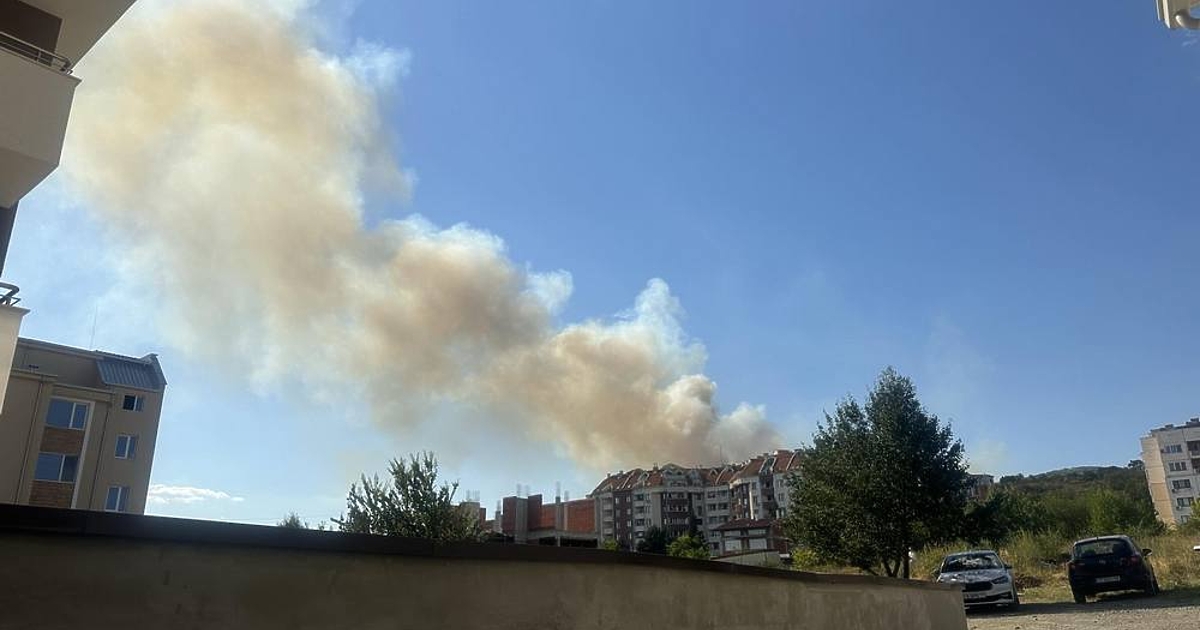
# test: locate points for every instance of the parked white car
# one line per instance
(985, 579)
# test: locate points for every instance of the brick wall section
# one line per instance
(51, 494)
(65, 441)
(581, 516)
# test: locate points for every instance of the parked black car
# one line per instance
(1109, 563)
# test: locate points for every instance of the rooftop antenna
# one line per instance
(518, 490)
(95, 316)
(557, 491)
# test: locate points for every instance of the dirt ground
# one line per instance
(1173, 610)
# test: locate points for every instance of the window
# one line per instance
(67, 414)
(126, 446)
(1173, 448)
(117, 500)
(55, 467)
(1177, 466)
(1184, 502)
(1181, 484)
(133, 403)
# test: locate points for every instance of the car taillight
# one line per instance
(1133, 560)
(1071, 565)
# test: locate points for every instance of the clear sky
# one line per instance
(997, 199)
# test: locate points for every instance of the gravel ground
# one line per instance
(1176, 610)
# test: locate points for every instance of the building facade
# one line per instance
(40, 43)
(527, 520)
(1171, 455)
(980, 486)
(740, 537)
(78, 428)
(683, 500)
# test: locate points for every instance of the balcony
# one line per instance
(34, 108)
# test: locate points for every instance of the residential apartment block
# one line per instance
(40, 43)
(1171, 455)
(681, 500)
(78, 428)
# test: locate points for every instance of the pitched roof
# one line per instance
(119, 371)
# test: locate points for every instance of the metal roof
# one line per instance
(143, 373)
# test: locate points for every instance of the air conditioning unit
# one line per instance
(1178, 13)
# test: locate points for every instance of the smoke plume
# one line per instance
(231, 157)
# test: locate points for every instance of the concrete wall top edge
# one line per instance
(51, 521)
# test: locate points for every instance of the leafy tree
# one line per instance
(292, 521)
(1111, 512)
(655, 541)
(410, 504)
(879, 481)
(1001, 516)
(689, 546)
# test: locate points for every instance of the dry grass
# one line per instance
(1041, 572)
(1039, 568)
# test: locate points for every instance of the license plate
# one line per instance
(970, 596)
(1108, 580)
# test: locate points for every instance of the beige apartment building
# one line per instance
(78, 428)
(1171, 455)
(40, 43)
(686, 499)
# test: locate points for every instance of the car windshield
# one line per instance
(1108, 547)
(971, 562)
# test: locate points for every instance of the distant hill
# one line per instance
(1130, 480)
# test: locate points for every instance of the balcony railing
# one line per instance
(8, 294)
(18, 46)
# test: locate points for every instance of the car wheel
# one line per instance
(1153, 589)
(1016, 600)
(1080, 598)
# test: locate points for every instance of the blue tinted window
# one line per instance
(49, 466)
(117, 499)
(60, 413)
(66, 414)
(79, 417)
(126, 446)
(70, 463)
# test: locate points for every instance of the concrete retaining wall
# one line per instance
(74, 569)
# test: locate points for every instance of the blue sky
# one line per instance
(995, 199)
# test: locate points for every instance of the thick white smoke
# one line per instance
(233, 155)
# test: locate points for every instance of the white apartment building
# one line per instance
(1171, 455)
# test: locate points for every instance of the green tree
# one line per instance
(689, 546)
(879, 481)
(411, 504)
(1111, 512)
(999, 517)
(655, 541)
(292, 521)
